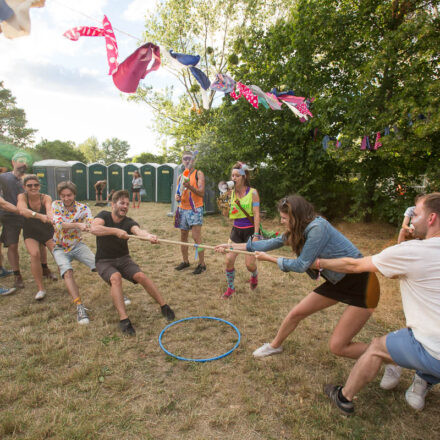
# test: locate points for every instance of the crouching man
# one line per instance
(113, 260)
(416, 264)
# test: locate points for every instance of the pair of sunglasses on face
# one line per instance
(32, 185)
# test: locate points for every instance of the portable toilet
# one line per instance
(51, 172)
(129, 169)
(79, 178)
(210, 199)
(115, 173)
(148, 174)
(164, 182)
(96, 171)
(178, 170)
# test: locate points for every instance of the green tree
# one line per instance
(91, 150)
(13, 121)
(62, 150)
(114, 150)
(150, 158)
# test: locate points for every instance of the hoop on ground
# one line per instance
(200, 360)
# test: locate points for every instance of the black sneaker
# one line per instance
(332, 392)
(199, 269)
(167, 312)
(126, 327)
(182, 265)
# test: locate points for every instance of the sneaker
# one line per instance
(40, 295)
(391, 377)
(4, 291)
(415, 394)
(266, 350)
(127, 301)
(167, 312)
(182, 265)
(253, 282)
(332, 391)
(82, 314)
(199, 269)
(5, 273)
(18, 282)
(47, 273)
(228, 293)
(126, 327)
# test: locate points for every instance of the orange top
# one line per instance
(184, 202)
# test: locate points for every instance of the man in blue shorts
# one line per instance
(190, 194)
(416, 264)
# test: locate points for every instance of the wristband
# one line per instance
(319, 268)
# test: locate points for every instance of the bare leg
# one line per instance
(13, 257)
(117, 295)
(139, 199)
(184, 237)
(230, 260)
(149, 287)
(349, 325)
(43, 254)
(251, 263)
(367, 367)
(71, 285)
(312, 303)
(197, 237)
(33, 248)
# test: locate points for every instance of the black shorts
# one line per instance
(124, 265)
(241, 235)
(136, 190)
(355, 289)
(11, 230)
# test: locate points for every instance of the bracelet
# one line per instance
(319, 268)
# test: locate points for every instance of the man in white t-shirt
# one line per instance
(416, 264)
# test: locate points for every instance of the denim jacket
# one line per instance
(322, 241)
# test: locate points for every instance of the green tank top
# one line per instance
(246, 203)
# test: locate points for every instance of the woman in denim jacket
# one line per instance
(311, 237)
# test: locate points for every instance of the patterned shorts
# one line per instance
(189, 218)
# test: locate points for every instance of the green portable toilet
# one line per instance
(115, 173)
(164, 182)
(96, 171)
(51, 172)
(129, 169)
(79, 178)
(148, 174)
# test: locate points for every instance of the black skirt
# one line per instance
(355, 289)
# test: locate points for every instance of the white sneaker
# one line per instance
(127, 301)
(40, 295)
(415, 394)
(391, 377)
(82, 314)
(266, 350)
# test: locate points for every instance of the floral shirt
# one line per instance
(69, 238)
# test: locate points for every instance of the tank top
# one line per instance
(240, 219)
(197, 200)
(34, 228)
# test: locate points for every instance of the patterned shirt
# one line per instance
(69, 238)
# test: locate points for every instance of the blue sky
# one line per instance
(64, 86)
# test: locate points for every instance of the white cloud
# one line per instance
(138, 9)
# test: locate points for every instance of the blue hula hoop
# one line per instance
(199, 360)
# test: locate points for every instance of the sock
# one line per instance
(255, 273)
(341, 396)
(17, 272)
(77, 301)
(44, 265)
(230, 276)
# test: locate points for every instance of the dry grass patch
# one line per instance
(62, 381)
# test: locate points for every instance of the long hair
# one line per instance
(301, 213)
(246, 176)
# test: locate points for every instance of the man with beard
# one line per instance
(113, 261)
(70, 218)
(11, 185)
(416, 264)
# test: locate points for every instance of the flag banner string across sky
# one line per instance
(15, 22)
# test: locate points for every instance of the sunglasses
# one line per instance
(284, 202)
(32, 185)
(185, 158)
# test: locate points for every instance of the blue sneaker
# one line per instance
(5, 291)
(5, 273)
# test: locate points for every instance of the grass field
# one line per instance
(59, 380)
